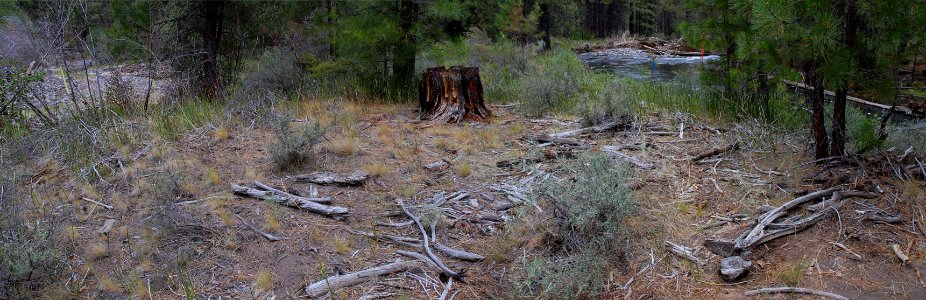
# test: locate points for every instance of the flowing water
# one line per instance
(641, 66)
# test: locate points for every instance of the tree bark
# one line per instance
(452, 95)
(764, 95)
(545, 24)
(838, 147)
(813, 78)
(403, 54)
(212, 36)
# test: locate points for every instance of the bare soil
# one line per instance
(159, 246)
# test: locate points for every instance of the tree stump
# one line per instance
(452, 95)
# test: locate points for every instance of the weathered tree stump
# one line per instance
(452, 95)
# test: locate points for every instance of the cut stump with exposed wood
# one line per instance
(452, 95)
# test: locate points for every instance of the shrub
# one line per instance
(30, 257)
(294, 149)
(557, 80)
(265, 83)
(589, 208)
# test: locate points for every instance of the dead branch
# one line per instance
(557, 140)
(454, 253)
(109, 207)
(424, 235)
(756, 233)
(400, 224)
(333, 211)
(620, 155)
(334, 283)
(285, 194)
(899, 253)
(776, 290)
(329, 178)
(683, 252)
(844, 248)
(766, 231)
(596, 129)
(715, 151)
(444, 294)
(268, 236)
(394, 239)
(419, 257)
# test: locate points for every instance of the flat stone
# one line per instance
(720, 247)
(733, 268)
(107, 226)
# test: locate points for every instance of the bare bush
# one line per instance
(18, 41)
(294, 148)
(589, 209)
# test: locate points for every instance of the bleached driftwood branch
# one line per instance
(322, 287)
(329, 178)
(776, 290)
(333, 211)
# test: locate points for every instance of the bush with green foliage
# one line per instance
(30, 256)
(265, 82)
(294, 148)
(589, 207)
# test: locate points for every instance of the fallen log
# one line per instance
(334, 283)
(424, 234)
(684, 252)
(268, 236)
(636, 162)
(557, 140)
(332, 211)
(759, 235)
(329, 178)
(715, 151)
(899, 253)
(776, 290)
(596, 129)
(324, 200)
(452, 95)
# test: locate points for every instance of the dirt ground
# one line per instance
(163, 249)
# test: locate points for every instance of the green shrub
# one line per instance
(265, 82)
(589, 208)
(293, 149)
(30, 257)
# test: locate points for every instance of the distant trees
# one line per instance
(834, 44)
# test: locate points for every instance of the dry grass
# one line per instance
(98, 250)
(790, 274)
(377, 169)
(464, 169)
(263, 281)
(271, 222)
(345, 146)
(109, 285)
(224, 216)
(220, 133)
(342, 245)
(213, 177)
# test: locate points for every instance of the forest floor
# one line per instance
(197, 242)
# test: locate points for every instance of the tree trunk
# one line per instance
(452, 95)
(545, 24)
(212, 36)
(403, 56)
(764, 95)
(838, 147)
(818, 127)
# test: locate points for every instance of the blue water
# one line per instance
(655, 68)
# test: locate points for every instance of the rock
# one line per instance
(720, 247)
(438, 165)
(733, 268)
(107, 226)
